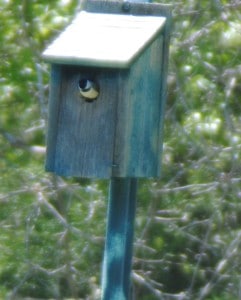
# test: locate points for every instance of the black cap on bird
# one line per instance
(88, 89)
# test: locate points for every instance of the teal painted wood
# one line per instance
(116, 135)
(138, 141)
(81, 133)
(133, 8)
(131, 203)
(119, 134)
(116, 270)
(54, 108)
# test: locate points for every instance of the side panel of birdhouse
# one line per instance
(138, 143)
(80, 133)
(53, 113)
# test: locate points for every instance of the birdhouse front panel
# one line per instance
(81, 135)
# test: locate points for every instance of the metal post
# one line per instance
(119, 239)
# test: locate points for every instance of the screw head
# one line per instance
(126, 6)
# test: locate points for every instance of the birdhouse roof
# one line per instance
(104, 40)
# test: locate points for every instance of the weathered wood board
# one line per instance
(138, 140)
(81, 134)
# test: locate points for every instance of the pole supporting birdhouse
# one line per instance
(106, 109)
(116, 270)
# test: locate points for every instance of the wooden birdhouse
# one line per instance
(108, 86)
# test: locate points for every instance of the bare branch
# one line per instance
(5, 197)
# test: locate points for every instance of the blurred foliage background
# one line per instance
(188, 223)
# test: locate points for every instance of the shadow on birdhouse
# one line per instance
(108, 86)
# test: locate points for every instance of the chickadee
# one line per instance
(88, 89)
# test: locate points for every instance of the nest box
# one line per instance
(108, 91)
